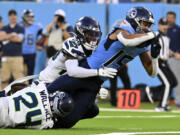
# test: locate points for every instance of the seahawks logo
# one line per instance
(132, 13)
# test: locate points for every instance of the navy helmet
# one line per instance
(88, 31)
(28, 13)
(137, 14)
(61, 104)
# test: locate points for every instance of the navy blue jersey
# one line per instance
(112, 53)
(13, 48)
(173, 33)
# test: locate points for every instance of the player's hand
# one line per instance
(155, 47)
(107, 72)
(103, 93)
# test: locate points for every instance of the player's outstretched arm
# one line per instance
(74, 70)
(131, 39)
(150, 63)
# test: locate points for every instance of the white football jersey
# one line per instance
(56, 64)
(30, 108)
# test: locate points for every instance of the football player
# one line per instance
(128, 39)
(87, 36)
(32, 107)
(85, 41)
(32, 33)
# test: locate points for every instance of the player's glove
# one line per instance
(103, 93)
(107, 72)
(155, 47)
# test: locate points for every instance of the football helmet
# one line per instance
(137, 14)
(61, 104)
(88, 31)
(25, 16)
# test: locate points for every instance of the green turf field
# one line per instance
(116, 122)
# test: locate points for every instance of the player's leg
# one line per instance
(92, 111)
(123, 74)
(68, 84)
(82, 102)
(113, 89)
(25, 61)
(31, 64)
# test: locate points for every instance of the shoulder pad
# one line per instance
(124, 25)
(121, 23)
(71, 47)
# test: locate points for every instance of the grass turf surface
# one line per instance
(113, 121)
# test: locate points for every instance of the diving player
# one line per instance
(122, 44)
(32, 107)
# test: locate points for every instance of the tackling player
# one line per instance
(32, 107)
(85, 41)
(123, 44)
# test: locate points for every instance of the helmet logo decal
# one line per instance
(132, 13)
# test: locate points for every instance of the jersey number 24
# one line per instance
(31, 105)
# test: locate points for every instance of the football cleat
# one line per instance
(162, 109)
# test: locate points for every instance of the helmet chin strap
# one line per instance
(138, 28)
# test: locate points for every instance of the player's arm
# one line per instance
(129, 39)
(150, 63)
(74, 70)
(72, 66)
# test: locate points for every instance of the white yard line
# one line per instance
(136, 133)
(130, 128)
(131, 116)
(132, 110)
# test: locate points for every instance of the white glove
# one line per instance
(103, 93)
(107, 72)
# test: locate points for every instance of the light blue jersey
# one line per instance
(112, 53)
(31, 34)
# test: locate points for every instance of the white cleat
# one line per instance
(162, 109)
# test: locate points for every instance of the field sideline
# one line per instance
(112, 121)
